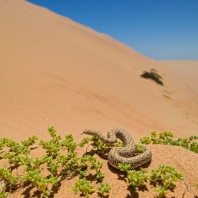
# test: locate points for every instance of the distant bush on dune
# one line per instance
(153, 75)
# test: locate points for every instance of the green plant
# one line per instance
(161, 191)
(68, 161)
(119, 144)
(2, 143)
(83, 186)
(97, 143)
(84, 141)
(69, 143)
(53, 146)
(84, 160)
(3, 194)
(124, 167)
(16, 160)
(145, 140)
(7, 176)
(30, 141)
(57, 163)
(82, 174)
(168, 176)
(139, 148)
(104, 188)
(39, 181)
(96, 165)
(99, 176)
(137, 178)
(16, 148)
(166, 138)
(53, 168)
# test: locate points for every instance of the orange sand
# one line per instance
(169, 155)
(57, 72)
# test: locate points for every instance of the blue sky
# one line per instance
(159, 29)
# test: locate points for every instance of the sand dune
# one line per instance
(57, 72)
(54, 71)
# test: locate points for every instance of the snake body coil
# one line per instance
(124, 154)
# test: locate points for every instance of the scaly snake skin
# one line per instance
(124, 154)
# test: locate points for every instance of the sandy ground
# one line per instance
(56, 72)
(185, 161)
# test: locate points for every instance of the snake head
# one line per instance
(85, 131)
(90, 132)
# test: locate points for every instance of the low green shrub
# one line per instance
(167, 138)
(61, 158)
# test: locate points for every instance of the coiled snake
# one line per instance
(124, 154)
